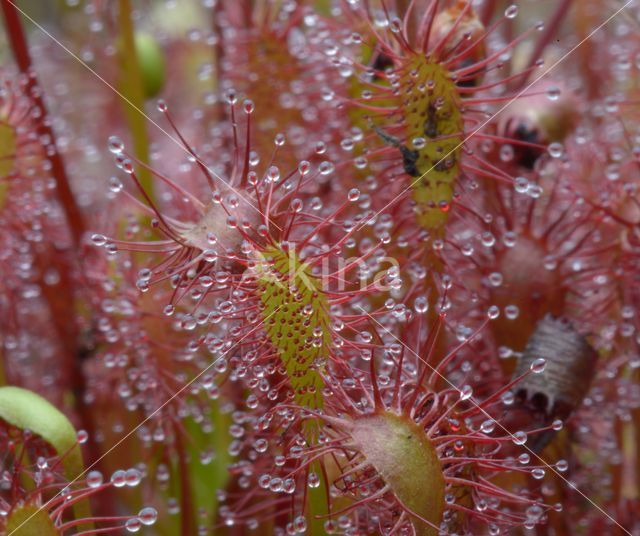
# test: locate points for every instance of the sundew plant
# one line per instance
(358, 267)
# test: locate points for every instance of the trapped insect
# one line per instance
(569, 367)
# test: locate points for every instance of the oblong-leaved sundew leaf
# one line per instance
(434, 128)
(296, 319)
(30, 520)
(8, 148)
(408, 462)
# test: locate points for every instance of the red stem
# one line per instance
(488, 9)
(23, 60)
(60, 297)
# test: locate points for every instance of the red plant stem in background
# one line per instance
(551, 28)
(23, 60)
(59, 297)
(218, 51)
(636, 420)
(488, 9)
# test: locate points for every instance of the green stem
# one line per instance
(186, 499)
(133, 89)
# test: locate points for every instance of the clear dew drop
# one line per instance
(353, 195)
(326, 167)
(537, 473)
(273, 174)
(82, 436)
(511, 12)
(553, 93)
(534, 512)
(304, 167)
(133, 477)
(487, 239)
(520, 437)
(521, 185)
(210, 255)
(508, 398)
(115, 144)
(119, 478)
(313, 481)
(488, 426)
(98, 239)
(347, 144)
(511, 312)
(421, 304)
(419, 143)
(555, 149)
(467, 250)
(127, 166)
(133, 525)
(148, 515)
(94, 479)
(297, 205)
(538, 365)
(495, 279)
(507, 153)
(231, 96)
(248, 106)
(115, 185)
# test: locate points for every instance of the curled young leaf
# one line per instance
(29, 411)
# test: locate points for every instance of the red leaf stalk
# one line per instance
(22, 57)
